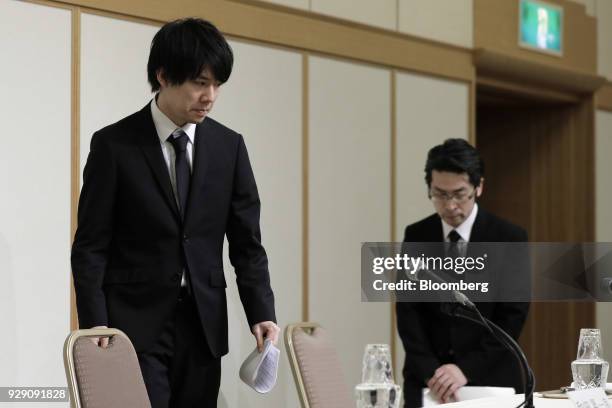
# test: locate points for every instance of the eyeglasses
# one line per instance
(461, 197)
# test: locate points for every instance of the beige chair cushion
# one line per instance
(110, 377)
(321, 370)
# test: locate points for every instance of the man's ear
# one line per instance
(480, 187)
(160, 78)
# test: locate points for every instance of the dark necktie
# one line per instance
(181, 166)
(452, 251)
(453, 246)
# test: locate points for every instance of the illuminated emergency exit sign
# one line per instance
(541, 26)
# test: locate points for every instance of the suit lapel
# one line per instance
(200, 165)
(151, 148)
(436, 232)
(478, 233)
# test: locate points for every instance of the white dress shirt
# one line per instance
(464, 230)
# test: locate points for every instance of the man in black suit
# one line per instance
(442, 352)
(161, 189)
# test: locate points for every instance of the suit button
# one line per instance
(185, 238)
(451, 352)
(176, 277)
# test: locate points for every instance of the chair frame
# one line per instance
(73, 385)
(309, 327)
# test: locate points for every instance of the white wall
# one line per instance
(263, 101)
(35, 204)
(349, 200)
(429, 111)
(603, 217)
(380, 13)
(604, 33)
(603, 168)
(349, 168)
(449, 21)
(114, 56)
(349, 162)
(299, 4)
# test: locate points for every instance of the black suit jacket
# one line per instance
(131, 245)
(432, 338)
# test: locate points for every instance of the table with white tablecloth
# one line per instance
(510, 402)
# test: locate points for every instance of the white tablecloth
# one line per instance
(510, 402)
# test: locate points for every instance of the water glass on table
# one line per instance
(589, 370)
(377, 389)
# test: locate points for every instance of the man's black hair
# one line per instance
(183, 48)
(455, 156)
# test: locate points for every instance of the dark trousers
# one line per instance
(413, 394)
(179, 371)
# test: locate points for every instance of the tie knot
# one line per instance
(179, 140)
(454, 236)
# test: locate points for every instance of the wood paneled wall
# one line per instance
(536, 177)
(548, 172)
(496, 28)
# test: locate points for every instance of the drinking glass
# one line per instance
(377, 365)
(370, 395)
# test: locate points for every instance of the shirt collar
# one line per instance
(465, 229)
(165, 127)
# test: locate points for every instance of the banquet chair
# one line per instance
(316, 368)
(103, 377)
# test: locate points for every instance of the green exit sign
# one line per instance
(541, 26)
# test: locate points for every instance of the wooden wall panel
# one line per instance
(536, 177)
(305, 31)
(496, 29)
(590, 5)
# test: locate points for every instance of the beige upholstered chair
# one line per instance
(103, 377)
(316, 367)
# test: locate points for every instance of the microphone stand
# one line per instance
(462, 309)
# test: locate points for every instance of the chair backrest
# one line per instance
(316, 368)
(103, 377)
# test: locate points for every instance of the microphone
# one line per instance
(464, 308)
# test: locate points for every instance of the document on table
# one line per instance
(589, 398)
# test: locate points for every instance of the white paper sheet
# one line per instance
(259, 370)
